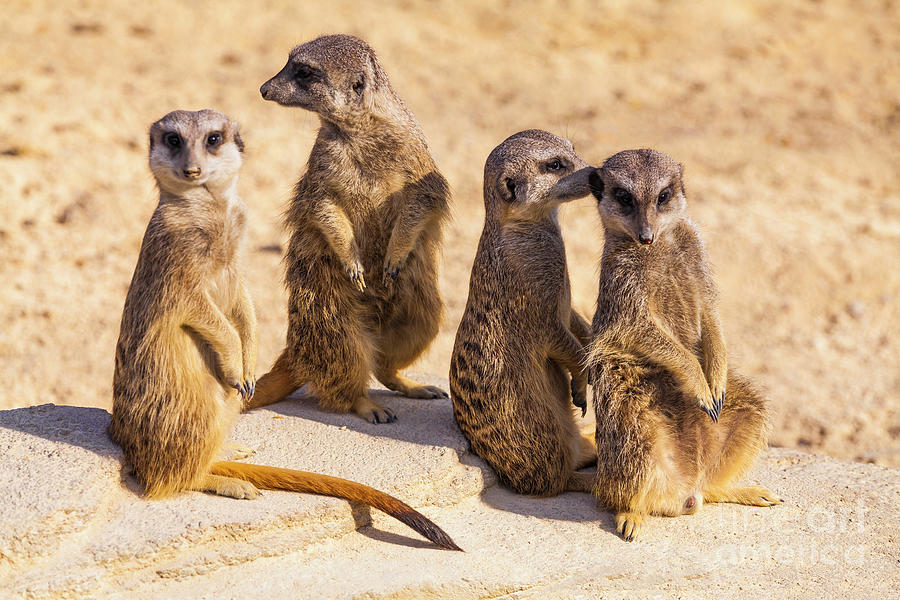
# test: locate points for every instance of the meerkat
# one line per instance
(186, 353)
(365, 224)
(675, 425)
(519, 351)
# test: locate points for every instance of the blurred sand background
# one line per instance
(786, 116)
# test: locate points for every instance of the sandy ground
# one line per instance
(785, 116)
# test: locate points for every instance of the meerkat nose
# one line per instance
(192, 172)
(645, 238)
(264, 90)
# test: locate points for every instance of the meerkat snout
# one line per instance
(264, 89)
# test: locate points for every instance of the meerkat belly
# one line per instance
(672, 482)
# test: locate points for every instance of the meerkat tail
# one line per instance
(275, 478)
(273, 386)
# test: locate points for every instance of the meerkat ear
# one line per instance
(359, 84)
(596, 183)
(510, 190)
(238, 140)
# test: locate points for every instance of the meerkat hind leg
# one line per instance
(629, 524)
(580, 482)
(754, 495)
(228, 486)
(587, 451)
(372, 412)
(409, 388)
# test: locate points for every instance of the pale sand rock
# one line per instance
(72, 524)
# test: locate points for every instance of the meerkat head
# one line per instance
(193, 149)
(336, 76)
(530, 174)
(639, 193)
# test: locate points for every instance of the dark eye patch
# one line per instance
(172, 140)
(304, 72)
(624, 198)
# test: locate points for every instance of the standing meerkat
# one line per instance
(520, 340)
(187, 345)
(365, 224)
(675, 425)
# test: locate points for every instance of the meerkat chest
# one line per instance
(222, 277)
(677, 301)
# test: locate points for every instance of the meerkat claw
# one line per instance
(578, 399)
(383, 416)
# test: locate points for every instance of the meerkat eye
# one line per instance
(663, 197)
(302, 71)
(554, 165)
(172, 140)
(623, 197)
(214, 139)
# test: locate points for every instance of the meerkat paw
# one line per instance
(706, 401)
(409, 388)
(245, 389)
(629, 525)
(392, 270)
(372, 412)
(242, 490)
(248, 386)
(229, 486)
(717, 380)
(356, 273)
(425, 392)
(579, 395)
(238, 451)
(754, 495)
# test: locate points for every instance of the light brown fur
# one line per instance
(675, 425)
(365, 225)
(187, 345)
(520, 340)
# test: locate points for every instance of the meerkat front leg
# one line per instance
(409, 225)
(652, 342)
(338, 229)
(568, 351)
(244, 318)
(715, 358)
(210, 324)
(580, 328)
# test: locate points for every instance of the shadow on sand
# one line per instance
(431, 423)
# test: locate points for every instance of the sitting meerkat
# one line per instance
(365, 225)
(520, 340)
(187, 345)
(675, 425)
